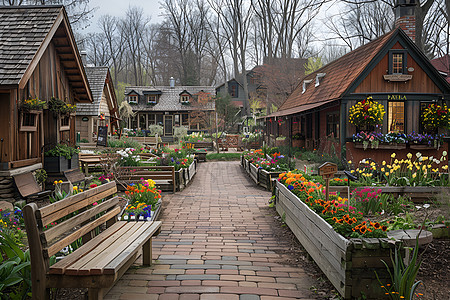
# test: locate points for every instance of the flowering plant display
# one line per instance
(433, 140)
(33, 104)
(59, 106)
(347, 220)
(179, 158)
(366, 138)
(366, 113)
(251, 137)
(435, 116)
(143, 198)
(195, 137)
(128, 157)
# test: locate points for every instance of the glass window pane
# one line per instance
(396, 117)
(397, 63)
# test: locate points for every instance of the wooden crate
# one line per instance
(350, 265)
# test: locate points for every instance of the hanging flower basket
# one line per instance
(366, 113)
(435, 116)
(32, 105)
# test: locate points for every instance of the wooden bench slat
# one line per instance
(74, 207)
(55, 248)
(51, 208)
(74, 267)
(60, 266)
(67, 225)
(120, 260)
(98, 262)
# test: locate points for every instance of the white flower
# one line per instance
(426, 206)
(444, 153)
(418, 154)
(418, 207)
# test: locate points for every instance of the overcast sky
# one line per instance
(117, 8)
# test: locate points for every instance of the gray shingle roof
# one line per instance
(170, 98)
(97, 78)
(22, 30)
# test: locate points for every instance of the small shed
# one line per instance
(104, 111)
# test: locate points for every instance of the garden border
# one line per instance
(349, 264)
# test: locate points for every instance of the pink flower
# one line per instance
(94, 204)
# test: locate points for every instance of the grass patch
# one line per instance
(223, 156)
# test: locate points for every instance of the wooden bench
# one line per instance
(159, 174)
(102, 259)
(28, 188)
(151, 141)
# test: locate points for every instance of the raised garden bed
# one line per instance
(254, 173)
(59, 164)
(349, 264)
(266, 179)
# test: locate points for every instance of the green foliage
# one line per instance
(15, 268)
(120, 91)
(59, 106)
(124, 143)
(403, 276)
(62, 150)
(223, 156)
(84, 141)
(313, 64)
(226, 110)
(40, 175)
(179, 132)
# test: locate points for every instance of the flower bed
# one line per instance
(349, 264)
(144, 202)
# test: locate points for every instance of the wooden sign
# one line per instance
(327, 169)
(102, 136)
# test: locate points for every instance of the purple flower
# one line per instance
(290, 187)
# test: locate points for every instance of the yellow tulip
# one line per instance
(414, 175)
(445, 167)
(409, 155)
(393, 155)
(387, 174)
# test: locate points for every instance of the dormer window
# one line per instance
(318, 77)
(305, 84)
(184, 99)
(133, 99)
(152, 99)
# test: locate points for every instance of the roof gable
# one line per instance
(345, 74)
(25, 34)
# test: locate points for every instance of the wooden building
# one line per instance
(171, 106)
(104, 111)
(391, 69)
(38, 59)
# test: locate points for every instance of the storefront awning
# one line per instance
(297, 109)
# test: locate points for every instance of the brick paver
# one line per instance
(216, 242)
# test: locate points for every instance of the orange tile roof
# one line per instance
(340, 74)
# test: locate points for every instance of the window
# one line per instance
(152, 99)
(151, 119)
(396, 116)
(177, 120)
(397, 62)
(333, 125)
(233, 90)
(185, 119)
(65, 123)
(423, 106)
(28, 121)
(185, 98)
(133, 99)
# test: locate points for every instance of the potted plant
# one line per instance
(61, 158)
(32, 105)
(436, 117)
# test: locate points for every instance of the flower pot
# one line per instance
(57, 164)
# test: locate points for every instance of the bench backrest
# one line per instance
(57, 225)
(74, 175)
(26, 184)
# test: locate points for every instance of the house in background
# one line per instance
(269, 83)
(442, 64)
(104, 111)
(171, 106)
(391, 69)
(39, 59)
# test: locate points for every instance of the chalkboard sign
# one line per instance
(102, 136)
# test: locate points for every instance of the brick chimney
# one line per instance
(405, 17)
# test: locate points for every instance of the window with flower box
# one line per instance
(133, 99)
(64, 123)
(28, 121)
(396, 116)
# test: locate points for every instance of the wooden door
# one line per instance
(168, 125)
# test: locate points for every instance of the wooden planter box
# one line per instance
(254, 173)
(418, 194)
(266, 179)
(382, 146)
(421, 147)
(349, 264)
(190, 172)
(58, 164)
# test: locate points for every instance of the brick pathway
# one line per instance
(216, 243)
